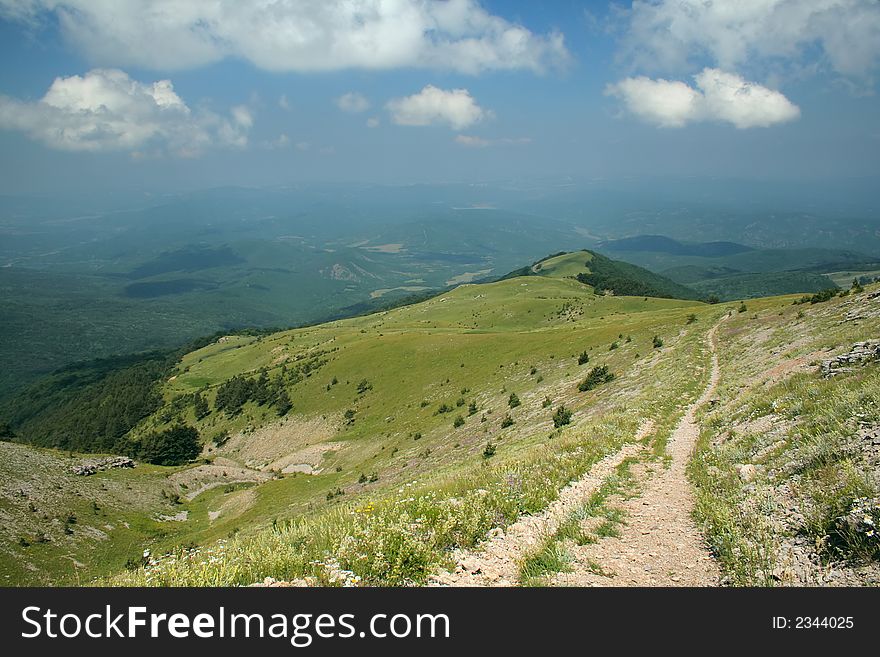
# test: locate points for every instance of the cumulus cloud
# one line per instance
(433, 106)
(669, 34)
(105, 110)
(296, 35)
(718, 96)
(353, 102)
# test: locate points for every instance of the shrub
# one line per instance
(472, 408)
(657, 342)
(547, 402)
(507, 421)
(562, 416)
(584, 358)
(513, 400)
(220, 439)
(489, 450)
(691, 318)
(200, 406)
(283, 403)
(597, 376)
(458, 421)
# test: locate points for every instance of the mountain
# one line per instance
(392, 439)
(661, 244)
(732, 271)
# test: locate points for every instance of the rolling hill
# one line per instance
(733, 271)
(409, 433)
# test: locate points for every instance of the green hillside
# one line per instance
(453, 416)
(607, 275)
(374, 395)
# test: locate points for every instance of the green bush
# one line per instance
(597, 376)
(562, 416)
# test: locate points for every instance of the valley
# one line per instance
(421, 432)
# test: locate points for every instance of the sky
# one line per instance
(188, 94)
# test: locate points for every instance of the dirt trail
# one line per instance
(496, 563)
(659, 543)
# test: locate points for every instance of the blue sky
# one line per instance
(163, 95)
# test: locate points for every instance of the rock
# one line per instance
(859, 354)
(746, 471)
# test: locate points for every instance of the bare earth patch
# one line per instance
(289, 442)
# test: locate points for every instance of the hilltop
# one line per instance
(460, 414)
(606, 275)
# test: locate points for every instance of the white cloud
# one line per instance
(296, 35)
(718, 96)
(281, 142)
(373, 122)
(669, 34)
(284, 103)
(432, 106)
(353, 102)
(105, 110)
(471, 141)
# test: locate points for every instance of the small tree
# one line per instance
(584, 358)
(513, 400)
(562, 416)
(200, 406)
(283, 403)
(597, 376)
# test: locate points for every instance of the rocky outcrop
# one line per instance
(97, 465)
(861, 353)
